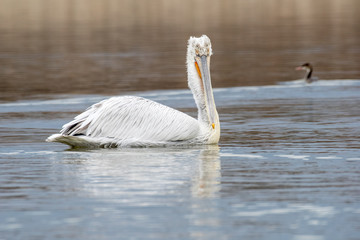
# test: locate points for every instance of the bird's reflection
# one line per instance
(147, 176)
(207, 181)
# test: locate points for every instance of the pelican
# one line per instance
(131, 121)
(309, 69)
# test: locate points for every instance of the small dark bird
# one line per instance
(309, 69)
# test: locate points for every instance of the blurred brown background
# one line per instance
(50, 47)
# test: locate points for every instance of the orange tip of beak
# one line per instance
(213, 125)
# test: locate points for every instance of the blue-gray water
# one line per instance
(287, 167)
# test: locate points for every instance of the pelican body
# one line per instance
(131, 121)
(309, 69)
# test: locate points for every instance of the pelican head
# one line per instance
(198, 66)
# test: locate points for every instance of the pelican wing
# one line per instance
(130, 117)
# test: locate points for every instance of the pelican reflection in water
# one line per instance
(136, 121)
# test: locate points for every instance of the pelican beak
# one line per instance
(202, 64)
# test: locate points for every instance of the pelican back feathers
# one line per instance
(123, 120)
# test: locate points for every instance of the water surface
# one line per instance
(287, 167)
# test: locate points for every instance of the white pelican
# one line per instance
(309, 69)
(131, 121)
